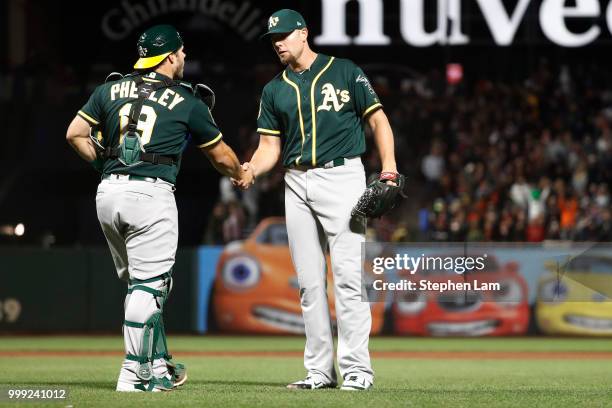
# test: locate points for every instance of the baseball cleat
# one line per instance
(127, 387)
(356, 383)
(310, 383)
(161, 384)
(179, 374)
(155, 385)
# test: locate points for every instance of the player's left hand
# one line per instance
(380, 195)
(388, 177)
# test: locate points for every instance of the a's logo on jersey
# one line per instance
(364, 80)
(330, 96)
(272, 22)
(142, 51)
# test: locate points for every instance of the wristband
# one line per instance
(388, 175)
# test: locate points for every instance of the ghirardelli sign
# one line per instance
(502, 22)
(246, 19)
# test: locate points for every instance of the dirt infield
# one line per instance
(427, 355)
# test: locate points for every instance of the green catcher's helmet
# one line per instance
(155, 44)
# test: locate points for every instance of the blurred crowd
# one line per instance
(526, 162)
(486, 160)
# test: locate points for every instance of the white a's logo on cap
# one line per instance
(272, 22)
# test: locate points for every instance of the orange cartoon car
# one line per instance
(465, 313)
(256, 288)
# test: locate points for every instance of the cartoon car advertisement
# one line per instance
(575, 300)
(466, 313)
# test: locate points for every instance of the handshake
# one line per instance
(247, 176)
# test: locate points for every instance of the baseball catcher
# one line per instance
(133, 129)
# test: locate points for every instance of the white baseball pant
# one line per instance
(140, 222)
(318, 205)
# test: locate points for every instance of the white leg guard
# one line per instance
(145, 367)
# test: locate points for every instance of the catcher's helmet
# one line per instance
(157, 43)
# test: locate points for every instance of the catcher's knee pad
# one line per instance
(144, 324)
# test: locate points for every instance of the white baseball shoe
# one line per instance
(310, 383)
(356, 382)
(155, 385)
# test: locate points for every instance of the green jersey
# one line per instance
(168, 115)
(318, 112)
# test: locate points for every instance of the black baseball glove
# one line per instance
(380, 197)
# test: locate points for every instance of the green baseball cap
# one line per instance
(157, 43)
(284, 21)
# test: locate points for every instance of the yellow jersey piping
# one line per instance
(215, 140)
(269, 131)
(314, 113)
(371, 108)
(297, 90)
(88, 118)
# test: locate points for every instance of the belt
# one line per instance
(128, 177)
(330, 164)
(154, 158)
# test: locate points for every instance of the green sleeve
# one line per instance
(93, 111)
(366, 100)
(202, 126)
(267, 122)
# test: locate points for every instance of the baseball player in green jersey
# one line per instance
(313, 115)
(140, 125)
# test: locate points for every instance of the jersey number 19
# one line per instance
(144, 126)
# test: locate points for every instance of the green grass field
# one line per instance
(245, 381)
